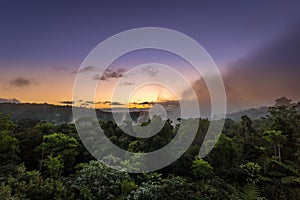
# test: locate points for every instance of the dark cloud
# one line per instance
(61, 68)
(261, 77)
(146, 103)
(200, 89)
(114, 103)
(165, 103)
(67, 102)
(86, 69)
(98, 77)
(270, 72)
(168, 103)
(13, 100)
(21, 82)
(143, 103)
(89, 102)
(109, 73)
(103, 102)
(150, 71)
(128, 83)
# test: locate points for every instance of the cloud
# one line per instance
(128, 83)
(270, 72)
(143, 103)
(114, 103)
(109, 74)
(98, 77)
(200, 89)
(67, 102)
(13, 100)
(149, 71)
(103, 102)
(21, 82)
(118, 73)
(89, 102)
(84, 104)
(86, 69)
(258, 79)
(106, 102)
(61, 68)
(165, 103)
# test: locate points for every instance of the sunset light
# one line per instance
(149, 100)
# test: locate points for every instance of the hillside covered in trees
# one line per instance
(56, 114)
(253, 159)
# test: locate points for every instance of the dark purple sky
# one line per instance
(64, 32)
(39, 34)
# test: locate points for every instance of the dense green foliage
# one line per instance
(253, 159)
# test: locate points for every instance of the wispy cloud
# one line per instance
(84, 104)
(21, 82)
(127, 83)
(86, 69)
(109, 74)
(89, 102)
(144, 103)
(114, 103)
(67, 102)
(150, 71)
(166, 103)
(61, 68)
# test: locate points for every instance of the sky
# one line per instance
(255, 44)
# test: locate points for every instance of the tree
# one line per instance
(175, 188)
(276, 139)
(8, 145)
(223, 157)
(31, 185)
(45, 128)
(54, 165)
(283, 101)
(201, 168)
(286, 120)
(58, 144)
(97, 181)
(246, 126)
(252, 171)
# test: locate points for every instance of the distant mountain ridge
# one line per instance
(255, 113)
(51, 113)
(63, 114)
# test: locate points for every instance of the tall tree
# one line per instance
(8, 144)
(58, 144)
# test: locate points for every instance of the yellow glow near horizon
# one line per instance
(54, 87)
(152, 94)
(144, 97)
